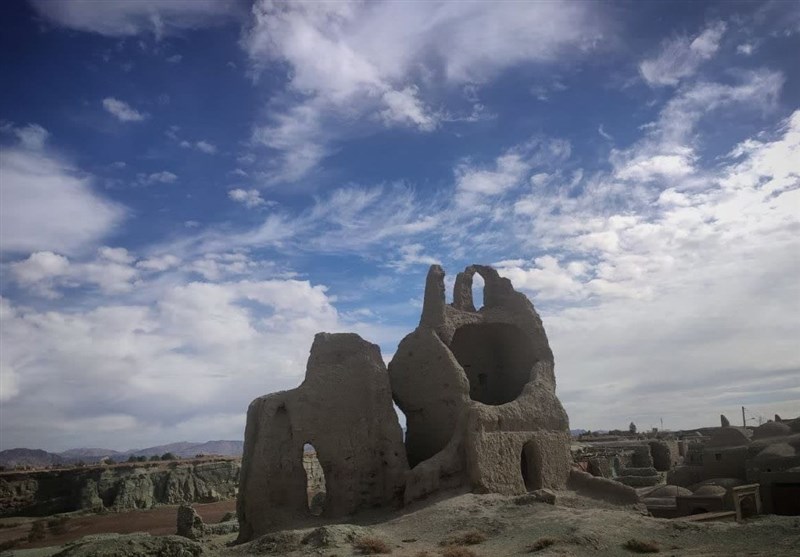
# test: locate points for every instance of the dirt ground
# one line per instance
(500, 526)
(159, 521)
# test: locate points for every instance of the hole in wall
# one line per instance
(316, 489)
(528, 466)
(497, 359)
(478, 285)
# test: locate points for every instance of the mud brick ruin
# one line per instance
(477, 387)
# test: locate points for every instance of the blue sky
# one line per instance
(191, 190)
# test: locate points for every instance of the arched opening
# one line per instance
(316, 490)
(748, 506)
(497, 359)
(529, 466)
(478, 285)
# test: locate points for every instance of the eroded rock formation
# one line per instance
(118, 488)
(344, 409)
(478, 391)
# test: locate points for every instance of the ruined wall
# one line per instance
(478, 391)
(344, 409)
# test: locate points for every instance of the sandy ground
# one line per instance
(158, 521)
(575, 526)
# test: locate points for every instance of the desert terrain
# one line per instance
(448, 525)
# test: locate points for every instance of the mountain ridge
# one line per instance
(22, 456)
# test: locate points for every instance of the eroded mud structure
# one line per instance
(478, 390)
(344, 409)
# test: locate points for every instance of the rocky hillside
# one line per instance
(121, 487)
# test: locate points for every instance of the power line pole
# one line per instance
(744, 421)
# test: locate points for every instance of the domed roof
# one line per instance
(728, 437)
(771, 429)
(775, 451)
(710, 490)
(669, 491)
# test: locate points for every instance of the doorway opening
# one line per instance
(316, 489)
(529, 466)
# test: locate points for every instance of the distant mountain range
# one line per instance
(39, 458)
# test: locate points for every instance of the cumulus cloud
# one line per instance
(249, 198)
(125, 19)
(47, 274)
(191, 349)
(47, 204)
(122, 111)
(682, 56)
(356, 62)
(645, 282)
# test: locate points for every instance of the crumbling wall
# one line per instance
(478, 391)
(344, 409)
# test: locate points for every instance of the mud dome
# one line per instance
(478, 391)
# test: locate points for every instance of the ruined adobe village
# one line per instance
(486, 466)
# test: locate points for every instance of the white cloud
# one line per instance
(162, 177)
(250, 198)
(412, 254)
(32, 136)
(47, 274)
(352, 63)
(668, 149)
(122, 110)
(159, 263)
(46, 204)
(206, 147)
(9, 382)
(202, 146)
(404, 107)
(511, 169)
(164, 361)
(175, 59)
(746, 49)
(620, 291)
(682, 56)
(125, 19)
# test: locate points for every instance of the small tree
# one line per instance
(133, 458)
(168, 456)
(155, 457)
(632, 428)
